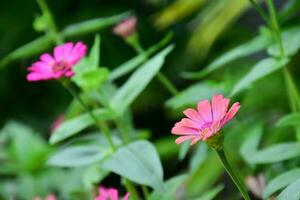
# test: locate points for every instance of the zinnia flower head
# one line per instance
(59, 65)
(126, 27)
(49, 197)
(109, 194)
(206, 121)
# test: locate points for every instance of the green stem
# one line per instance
(233, 175)
(167, 83)
(131, 189)
(53, 31)
(145, 191)
(101, 125)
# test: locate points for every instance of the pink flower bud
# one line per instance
(126, 27)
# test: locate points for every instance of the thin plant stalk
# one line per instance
(233, 175)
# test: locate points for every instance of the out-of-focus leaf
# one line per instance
(211, 194)
(139, 162)
(275, 153)
(290, 8)
(292, 192)
(93, 175)
(94, 56)
(166, 148)
(77, 124)
(250, 145)
(193, 94)
(260, 70)
(184, 149)
(204, 176)
(281, 181)
(133, 63)
(248, 48)
(172, 185)
(138, 81)
(176, 11)
(198, 157)
(92, 25)
(32, 48)
(290, 41)
(289, 120)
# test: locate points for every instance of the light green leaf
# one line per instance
(172, 185)
(289, 120)
(260, 70)
(292, 192)
(139, 162)
(290, 40)
(94, 56)
(275, 153)
(133, 63)
(184, 149)
(248, 48)
(211, 194)
(138, 81)
(281, 181)
(193, 94)
(75, 125)
(198, 157)
(92, 25)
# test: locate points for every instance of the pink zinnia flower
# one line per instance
(206, 121)
(49, 197)
(59, 65)
(109, 194)
(126, 27)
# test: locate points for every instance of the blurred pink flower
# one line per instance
(206, 121)
(49, 197)
(59, 65)
(126, 27)
(109, 194)
(57, 122)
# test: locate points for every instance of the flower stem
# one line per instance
(101, 125)
(233, 175)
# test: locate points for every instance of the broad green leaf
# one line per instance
(172, 185)
(211, 194)
(292, 192)
(32, 48)
(198, 157)
(281, 181)
(250, 145)
(289, 120)
(138, 81)
(290, 40)
(133, 63)
(93, 175)
(275, 153)
(254, 45)
(94, 56)
(260, 70)
(91, 25)
(184, 149)
(75, 125)
(79, 155)
(193, 94)
(139, 162)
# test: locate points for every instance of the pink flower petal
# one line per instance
(205, 111)
(190, 123)
(179, 129)
(67, 49)
(184, 138)
(194, 115)
(217, 107)
(126, 196)
(59, 53)
(47, 58)
(231, 113)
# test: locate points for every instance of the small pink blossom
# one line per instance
(109, 194)
(49, 197)
(59, 65)
(57, 122)
(206, 121)
(126, 27)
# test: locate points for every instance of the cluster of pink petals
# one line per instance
(206, 121)
(49, 197)
(109, 194)
(126, 27)
(59, 65)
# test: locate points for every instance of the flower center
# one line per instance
(60, 66)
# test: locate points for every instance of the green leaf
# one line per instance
(184, 149)
(75, 125)
(260, 70)
(248, 48)
(139, 162)
(211, 194)
(133, 63)
(290, 40)
(281, 181)
(138, 81)
(172, 184)
(275, 153)
(198, 157)
(289, 120)
(92, 25)
(193, 94)
(94, 56)
(292, 192)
